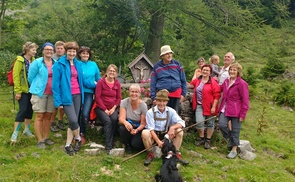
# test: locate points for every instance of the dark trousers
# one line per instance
(109, 126)
(135, 141)
(25, 108)
(72, 112)
(234, 134)
(174, 103)
(88, 101)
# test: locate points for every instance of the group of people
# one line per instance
(71, 83)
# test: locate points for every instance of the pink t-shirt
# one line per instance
(111, 85)
(74, 81)
(48, 89)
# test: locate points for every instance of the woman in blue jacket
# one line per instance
(68, 92)
(91, 73)
(40, 79)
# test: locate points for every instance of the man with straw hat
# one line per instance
(161, 120)
(169, 74)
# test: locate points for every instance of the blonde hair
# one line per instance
(59, 43)
(213, 58)
(111, 66)
(239, 68)
(27, 46)
(135, 86)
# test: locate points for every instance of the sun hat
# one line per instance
(47, 44)
(165, 49)
(162, 95)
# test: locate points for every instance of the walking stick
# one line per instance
(13, 98)
(183, 129)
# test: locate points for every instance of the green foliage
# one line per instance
(273, 68)
(6, 59)
(286, 94)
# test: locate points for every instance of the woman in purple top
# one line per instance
(234, 106)
(108, 98)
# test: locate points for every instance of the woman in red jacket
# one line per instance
(205, 103)
(108, 98)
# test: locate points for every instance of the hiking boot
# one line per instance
(78, 144)
(199, 142)
(207, 143)
(28, 133)
(41, 145)
(48, 141)
(61, 125)
(13, 138)
(53, 127)
(149, 158)
(69, 150)
(83, 139)
(232, 155)
(180, 159)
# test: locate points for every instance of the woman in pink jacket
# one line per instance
(205, 103)
(234, 106)
(108, 98)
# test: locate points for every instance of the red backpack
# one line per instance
(10, 75)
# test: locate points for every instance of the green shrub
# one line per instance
(286, 94)
(6, 58)
(273, 68)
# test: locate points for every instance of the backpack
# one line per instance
(10, 74)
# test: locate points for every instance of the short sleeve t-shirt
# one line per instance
(134, 115)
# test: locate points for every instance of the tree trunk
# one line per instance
(152, 48)
(292, 8)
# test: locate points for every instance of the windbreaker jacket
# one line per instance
(106, 97)
(167, 76)
(61, 81)
(210, 92)
(236, 98)
(19, 73)
(38, 76)
(91, 72)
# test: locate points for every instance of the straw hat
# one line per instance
(162, 95)
(165, 49)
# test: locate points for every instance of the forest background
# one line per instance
(259, 32)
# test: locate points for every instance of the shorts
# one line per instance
(42, 105)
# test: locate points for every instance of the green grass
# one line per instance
(274, 149)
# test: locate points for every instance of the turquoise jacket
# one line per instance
(91, 73)
(38, 76)
(61, 81)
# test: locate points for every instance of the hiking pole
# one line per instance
(13, 98)
(162, 140)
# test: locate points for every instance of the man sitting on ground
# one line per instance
(160, 120)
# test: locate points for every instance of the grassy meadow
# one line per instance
(274, 147)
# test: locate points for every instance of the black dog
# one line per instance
(169, 171)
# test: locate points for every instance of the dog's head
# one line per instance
(168, 148)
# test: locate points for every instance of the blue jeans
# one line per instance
(88, 101)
